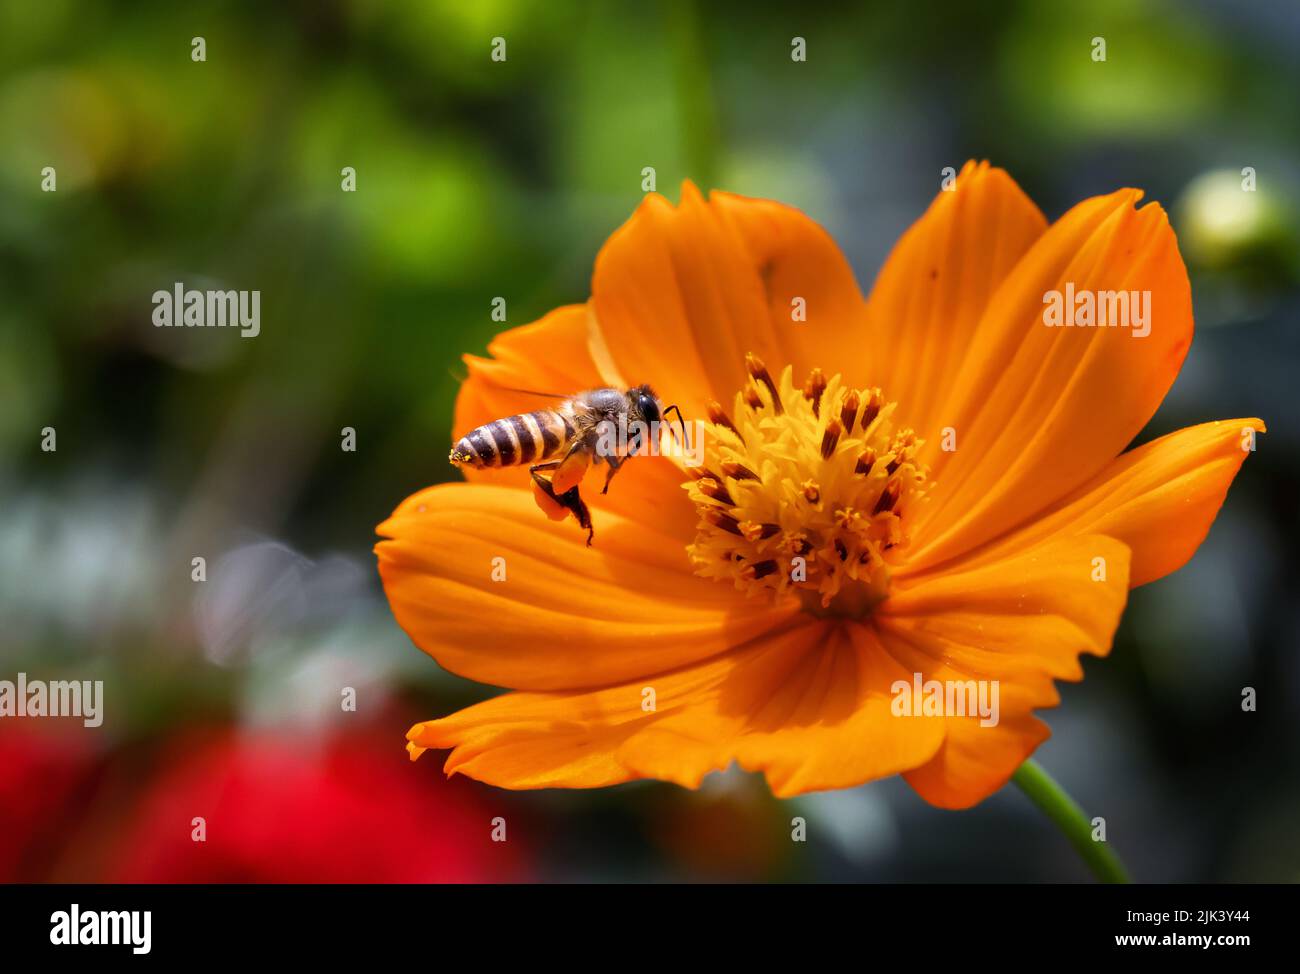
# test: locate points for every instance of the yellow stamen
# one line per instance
(807, 501)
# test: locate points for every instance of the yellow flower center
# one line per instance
(808, 491)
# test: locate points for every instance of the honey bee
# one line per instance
(595, 426)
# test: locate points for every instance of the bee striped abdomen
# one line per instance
(525, 438)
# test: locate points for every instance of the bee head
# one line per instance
(643, 404)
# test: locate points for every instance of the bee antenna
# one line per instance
(681, 421)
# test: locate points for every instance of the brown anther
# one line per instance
(872, 409)
(831, 437)
(759, 371)
(893, 465)
(752, 399)
(849, 411)
(718, 417)
(841, 549)
(719, 519)
(865, 461)
(759, 569)
(737, 471)
(813, 389)
(710, 487)
(811, 492)
(801, 546)
(888, 497)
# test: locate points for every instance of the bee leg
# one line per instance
(615, 464)
(544, 482)
(570, 500)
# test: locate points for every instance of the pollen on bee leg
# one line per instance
(833, 487)
(549, 505)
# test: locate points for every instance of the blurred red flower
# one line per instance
(42, 774)
(273, 810)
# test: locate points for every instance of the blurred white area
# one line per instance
(858, 822)
(92, 581)
(258, 594)
(75, 566)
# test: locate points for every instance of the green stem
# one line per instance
(1041, 789)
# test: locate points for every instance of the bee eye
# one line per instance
(649, 408)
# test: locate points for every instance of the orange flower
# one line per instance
(944, 499)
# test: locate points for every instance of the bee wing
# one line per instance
(571, 470)
(462, 378)
(533, 392)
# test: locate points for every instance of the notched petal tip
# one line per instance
(413, 747)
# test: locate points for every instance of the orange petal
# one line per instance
(809, 706)
(802, 270)
(564, 616)
(680, 294)
(930, 294)
(1021, 621)
(1159, 499)
(1039, 410)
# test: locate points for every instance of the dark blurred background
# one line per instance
(478, 179)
